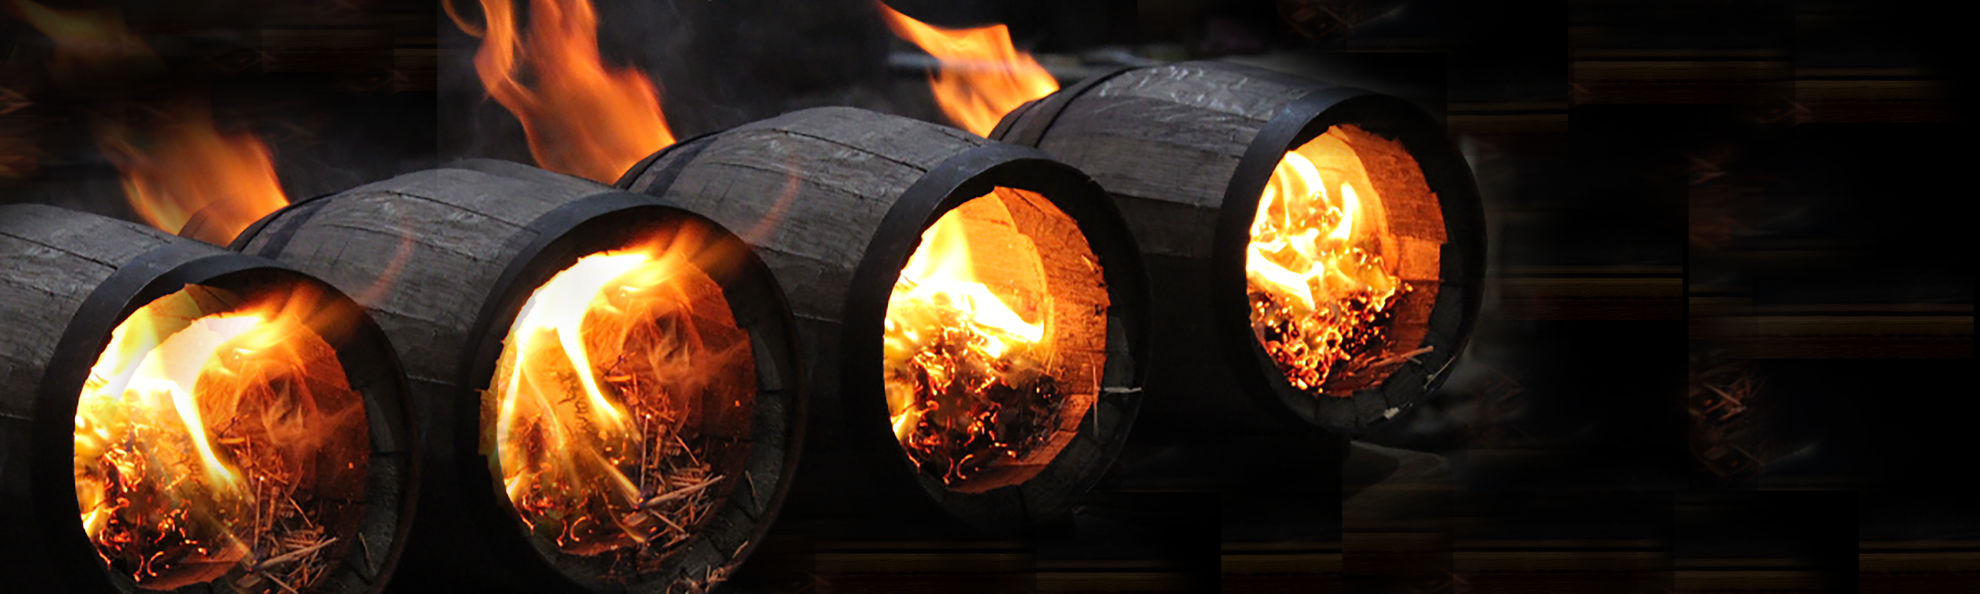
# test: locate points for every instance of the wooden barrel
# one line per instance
(1186, 150)
(69, 283)
(446, 260)
(836, 201)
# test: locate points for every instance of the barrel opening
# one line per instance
(995, 341)
(1342, 264)
(224, 437)
(619, 415)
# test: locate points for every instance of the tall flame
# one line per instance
(986, 347)
(582, 117)
(983, 75)
(1320, 290)
(182, 166)
(604, 374)
(204, 442)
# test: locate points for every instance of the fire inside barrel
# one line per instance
(972, 345)
(609, 402)
(218, 437)
(1321, 284)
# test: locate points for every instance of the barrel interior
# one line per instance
(1343, 262)
(995, 341)
(619, 415)
(224, 438)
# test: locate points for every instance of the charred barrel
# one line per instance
(179, 418)
(974, 310)
(1329, 238)
(607, 385)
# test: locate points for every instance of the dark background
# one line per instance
(1681, 196)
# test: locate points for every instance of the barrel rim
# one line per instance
(958, 179)
(153, 274)
(550, 243)
(1463, 263)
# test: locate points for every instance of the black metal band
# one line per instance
(239, 244)
(1051, 105)
(150, 275)
(1299, 121)
(689, 148)
(958, 179)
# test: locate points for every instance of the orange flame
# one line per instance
(183, 166)
(582, 117)
(983, 75)
(201, 439)
(1320, 290)
(939, 291)
(989, 356)
(603, 378)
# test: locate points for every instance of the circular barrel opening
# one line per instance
(995, 341)
(619, 416)
(219, 440)
(1342, 266)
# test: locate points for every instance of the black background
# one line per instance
(1676, 191)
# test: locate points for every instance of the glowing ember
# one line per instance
(179, 167)
(607, 384)
(582, 117)
(983, 76)
(1320, 292)
(971, 383)
(219, 445)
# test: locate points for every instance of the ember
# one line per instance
(1321, 293)
(219, 442)
(602, 398)
(970, 382)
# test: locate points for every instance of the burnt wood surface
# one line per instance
(1172, 144)
(817, 192)
(443, 259)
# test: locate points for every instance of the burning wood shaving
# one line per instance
(288, 448)
(974, 410)
(1351, 337)
(617, 458)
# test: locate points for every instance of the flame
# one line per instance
(970, 382)
(582, 117)
(983, 75)
(1320, 291)
(181, 167)
(199, 438)
(601, 377)
(185, 167)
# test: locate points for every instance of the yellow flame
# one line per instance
(1317, 279)
(939, 290)
(983, 75)
(602, 366)
(170, 367)
(187, 418)
(582, 117)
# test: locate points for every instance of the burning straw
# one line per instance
(603, 402)
(218, 446)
